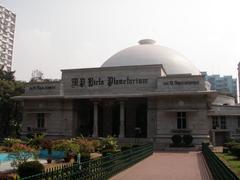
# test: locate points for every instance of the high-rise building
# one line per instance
(224, 84)
(7, 28)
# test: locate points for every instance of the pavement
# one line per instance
(187, 165)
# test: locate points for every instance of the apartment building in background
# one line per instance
(7, 28)
(223, 84)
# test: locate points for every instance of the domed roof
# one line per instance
(147, 53)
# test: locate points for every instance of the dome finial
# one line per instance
(146, 41)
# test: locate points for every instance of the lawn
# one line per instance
(231, 161)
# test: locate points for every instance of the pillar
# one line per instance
(95, 119)
(122, 119)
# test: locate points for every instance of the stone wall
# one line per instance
(42, 88)
(58, 116)
(198, 123)
(109, 81)
(181, 83)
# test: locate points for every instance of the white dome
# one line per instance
(147, 53)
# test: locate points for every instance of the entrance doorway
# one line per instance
(221, 138)
(108, 118)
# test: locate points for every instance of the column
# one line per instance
(95, 119)
(122, 118)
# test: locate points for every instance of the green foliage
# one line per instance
(176, 139)
(7, 75)
(231, 144)
(231, 162)
(36, 141)
(187, 139)
(21, 153)
(135, 145)
(85, 157)
(10, 110)
(107, 152)
(5, 149)
(30, 168)
(86, 145)
(125, 148)
(96, 144)
(9, 142)
(68, 146)
(109, 144)
(235, 150)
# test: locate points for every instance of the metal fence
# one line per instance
(101, 168)
(218, 169)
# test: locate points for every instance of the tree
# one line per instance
(10, 110)
(37, 76)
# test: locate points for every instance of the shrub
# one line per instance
(85, 145)
(96, 144)
(20, 154)
(21, 147)
(69, 147)
(236, 150)
(30, 135)
(73, 147)
(8, 176)
(30, 168)
(187, 139)
(5, 149)
(125, 148)
(229, 145)
(107, 152)
(109, 143)
(135, 145)
(47, 144)
(225, 150)
(9, 142)
(36, 141)
(85, 157)
(176, 139)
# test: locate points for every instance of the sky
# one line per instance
(51, 35)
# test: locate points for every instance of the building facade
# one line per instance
(148, 92)
(224, 84)
(7, 28)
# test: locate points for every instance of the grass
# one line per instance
(231, 161)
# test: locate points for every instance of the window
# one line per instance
(219, 122)
(215, 124)
(223, 122)
(74, 82)
(40, 120)
(181, 120)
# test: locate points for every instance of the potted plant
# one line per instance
(48, 144)
(69, 147)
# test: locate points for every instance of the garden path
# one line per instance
(168, 166)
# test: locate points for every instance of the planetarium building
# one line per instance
(147, 91)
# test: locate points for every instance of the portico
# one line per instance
(116, 117)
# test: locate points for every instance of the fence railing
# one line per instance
(218, 169)
(101, 168)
